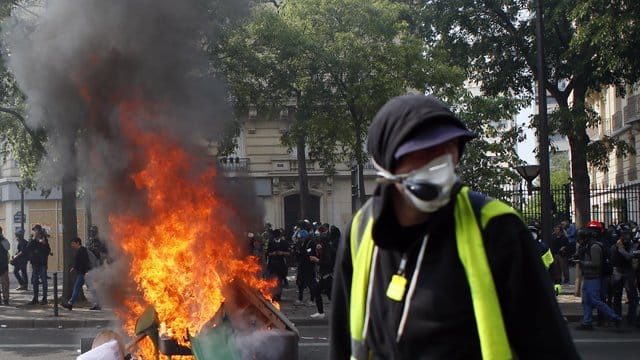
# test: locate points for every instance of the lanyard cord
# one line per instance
(412, 288)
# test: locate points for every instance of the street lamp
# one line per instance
(528, 173)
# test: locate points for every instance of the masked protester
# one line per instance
(430, 269)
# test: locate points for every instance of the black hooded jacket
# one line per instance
(441, 321)
(400, 118)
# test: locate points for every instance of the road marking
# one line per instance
(313, 338)
(314, 344)
(602, 341)
(39, 346)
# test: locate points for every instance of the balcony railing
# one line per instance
(234, 164)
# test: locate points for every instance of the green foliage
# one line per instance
(588, 45)
(488, 161)
(338, 68)
(560, 169)
(17, 141)
(599, 151)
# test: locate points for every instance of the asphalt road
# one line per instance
(58, 344)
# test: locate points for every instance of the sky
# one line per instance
(527, 147)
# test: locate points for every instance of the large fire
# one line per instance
(182, 252)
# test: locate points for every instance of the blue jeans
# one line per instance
(76, 288)
(20, 272)
(39, 272)
(591, 298)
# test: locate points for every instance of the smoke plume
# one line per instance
(80, 62)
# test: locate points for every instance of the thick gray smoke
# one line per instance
(81, 62)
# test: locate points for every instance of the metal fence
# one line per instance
(611, 205)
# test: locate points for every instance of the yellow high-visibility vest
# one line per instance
(491, 330)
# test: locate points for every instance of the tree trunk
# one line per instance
(69, 223)
(302, 176)
(360, 160)
(69, 226)
(361, 190)
(580, 176)
(578, 141)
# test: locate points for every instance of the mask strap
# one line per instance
(384, 176)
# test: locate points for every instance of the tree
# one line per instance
(588, 45)
(342, 68)
(339, 68)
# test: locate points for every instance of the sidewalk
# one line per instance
(20, 315)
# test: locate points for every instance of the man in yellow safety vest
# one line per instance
(432, 270)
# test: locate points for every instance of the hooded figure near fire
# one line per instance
(124, 92)
(428, 264)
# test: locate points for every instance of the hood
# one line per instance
(398, 119)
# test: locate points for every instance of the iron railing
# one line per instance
(609, 204)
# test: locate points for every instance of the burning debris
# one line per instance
(122, 85)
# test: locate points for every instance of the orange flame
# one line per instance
(182, 252)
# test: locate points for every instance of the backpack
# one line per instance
(94, 262)
(607, 266)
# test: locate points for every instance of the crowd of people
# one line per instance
(36, 251)
(311, 250)
(608, 263)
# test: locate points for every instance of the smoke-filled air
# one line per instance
(124, 92)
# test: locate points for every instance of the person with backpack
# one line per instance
(590, 257)
(81, 267)
(602, 238)
(428, 268)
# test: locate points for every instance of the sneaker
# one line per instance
(94, 307)
(67, 306)
(311, 303)
(20, 288)
(6, 302)
(298, 303)
(44, 302)
(585, 327)
(33, 302)
(317, 316)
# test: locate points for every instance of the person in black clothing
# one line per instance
(38, 250)
(559, 248)
(623, 275)
(96, 245)
(325, 260)
(416, 301)
(277, 252)
(19, 261)
(4, 268)
(306, 276)
(80, 266)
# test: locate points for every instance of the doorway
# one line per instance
(292, 211)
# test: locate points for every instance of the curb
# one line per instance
(309, 322)
(54, 323)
